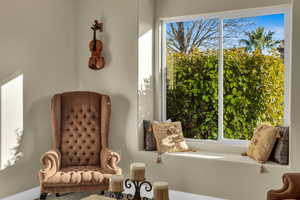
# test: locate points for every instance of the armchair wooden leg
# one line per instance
(57, 195)
(43, 196)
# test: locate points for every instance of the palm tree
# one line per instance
(259, 40)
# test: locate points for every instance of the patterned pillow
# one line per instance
(169, 137)
(280, 152)
(262, 143)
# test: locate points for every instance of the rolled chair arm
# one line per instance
(289, 190)
(51, 164)
(109, 161)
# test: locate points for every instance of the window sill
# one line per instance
(217, 156)
(224, 146)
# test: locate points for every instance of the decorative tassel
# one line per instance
(159, 159)
(244, 154)
(263, 169)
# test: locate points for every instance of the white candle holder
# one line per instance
(136, 181)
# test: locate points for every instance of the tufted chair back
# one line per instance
(80, 122)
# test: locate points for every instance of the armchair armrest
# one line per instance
(51, 164)
(289, 190)
(109, 161)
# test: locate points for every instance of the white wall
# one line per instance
(36, 39)
(175, 8)
(295, 90)
(11, 120)
(146, 72)
(119, 77)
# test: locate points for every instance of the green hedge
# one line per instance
(253, 92)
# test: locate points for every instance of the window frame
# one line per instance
(253, 12)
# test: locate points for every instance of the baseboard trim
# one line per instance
(26, 195)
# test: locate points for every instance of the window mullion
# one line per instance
(164, 72)
(287, 69)
(220, 83)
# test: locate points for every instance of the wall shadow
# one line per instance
(118, 140)
(36, 140)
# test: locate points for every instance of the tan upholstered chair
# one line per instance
(80, 159)
(290, 189)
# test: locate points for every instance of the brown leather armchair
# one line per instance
(80, 160)
(290, 189)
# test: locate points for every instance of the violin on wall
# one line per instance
(96, 61)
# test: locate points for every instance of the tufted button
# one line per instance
(67, 142)
(76, 129)
(89, 123)
(93, 141)
(89, 110)
(80, 122)
(85, 129)
(71, 135)
(67, 129)
(93, 129)
(89, 135)
(84, 116)
(87, 160)
(84, 141)
(81, 110)
(88, 147)
(80, 147)
(75, 153)
(79, 135)
(76, 141)
(83, 153)
(70, 147)
(68, 116)
(71, 123)
(92, 153)
(76, 116)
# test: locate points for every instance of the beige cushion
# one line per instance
(169, 137)
(262, 143)
(79, 175)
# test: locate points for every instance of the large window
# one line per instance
(225, 74)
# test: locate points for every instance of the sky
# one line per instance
(271, 23)
(274, 23)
